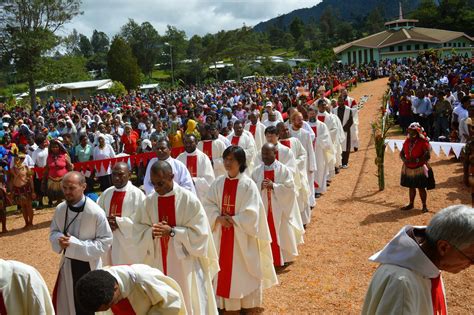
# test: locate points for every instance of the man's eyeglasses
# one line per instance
(462, 253)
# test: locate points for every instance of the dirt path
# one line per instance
(351, 221)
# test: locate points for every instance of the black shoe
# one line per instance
(356, 149)
(337, 170)
(317, 195)
(407, 207)
(424, 210)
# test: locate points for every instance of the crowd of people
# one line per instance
(224, 203)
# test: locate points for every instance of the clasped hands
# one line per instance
(64, 241)
(161, 229)
(225, 220)
(267, 184)
(112, 223)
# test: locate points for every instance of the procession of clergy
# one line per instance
(211, 226)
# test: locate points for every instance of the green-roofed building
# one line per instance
(402, 39)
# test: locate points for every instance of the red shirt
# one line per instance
(415, 149)
(130, 142)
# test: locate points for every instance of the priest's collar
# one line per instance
(270, 167)
(405, 252)
(192, 153)
(239, 176)
(78, 206)
(171, 192)
(124, 188)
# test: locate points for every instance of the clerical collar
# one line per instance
(124, 188)
(169, 193)
(192, 153)
(79, 206)
(233, 178)
(269, 167)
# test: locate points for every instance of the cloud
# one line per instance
(192, 16)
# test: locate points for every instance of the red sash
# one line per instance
(3, 308)
(277, 261)
(277, 155)
(207, 148)
(437, 296)
(166, 212)
(116, 203)
(315, 130)
(226, 251)
(253, 129)
(191, 163)
(123, 307)
(286, 143)
(235, 140)
(322, 118)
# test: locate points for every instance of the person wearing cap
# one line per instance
(416, 172)
(227, 116)
(269, 109)
(408, 280)
(22, 188)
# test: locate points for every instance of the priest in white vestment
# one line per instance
(182, 177)
(81, 234)
(23, 290)
(323, 148)
(198, 164)
(213, 148)
(178, 239)
(237, 217)
(244, 140)
(277, 189)
(409, 281)
(120, 203)
(300, 155)
(130, 289)
(257, 129)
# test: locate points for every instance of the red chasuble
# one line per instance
(437, 297)
(191, 163)
(322, 118)
(116, 203)
(207, 148)
(235, 140)
(123, 307)
(286, 142)
(226, 251)
(271, 223)
(166, 212)
(253, 129)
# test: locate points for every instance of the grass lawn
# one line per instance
(160, 74)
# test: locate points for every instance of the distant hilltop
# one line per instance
(348, 10)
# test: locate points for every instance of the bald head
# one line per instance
(161, 176)
(120, 175)
(74, 176)
(268, 153)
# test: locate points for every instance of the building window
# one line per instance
(349, 57)
(392, 48)
(400, 48)
(463, 44)
(444, 44)
(354, 57)
(417, 47)
(449, 44)
(408, 47)
(425, 46)
(459, 44)
(371, 55)
(360, 57)
(365, 56)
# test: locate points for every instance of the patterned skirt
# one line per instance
(416, 177)
(54, 191)
(22, 194)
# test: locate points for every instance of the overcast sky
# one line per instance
(192, 16)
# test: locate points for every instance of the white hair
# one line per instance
(454, 224)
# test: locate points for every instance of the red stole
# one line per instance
(271, 223)
(235, 140)
(322, 118)
(116, 203)
(437, 296)
(166, 212)
(123, 307)
(253, 129)
(226, 251)
(286, 143)
(3, 308)
(207, 148)
(315, 130)
(191, 163)
(277, 155)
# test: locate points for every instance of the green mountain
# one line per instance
(347, 10)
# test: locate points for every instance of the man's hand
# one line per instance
(267, 184)
(161, 229)
(225, 220)
(112, 223)
(64, 241)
